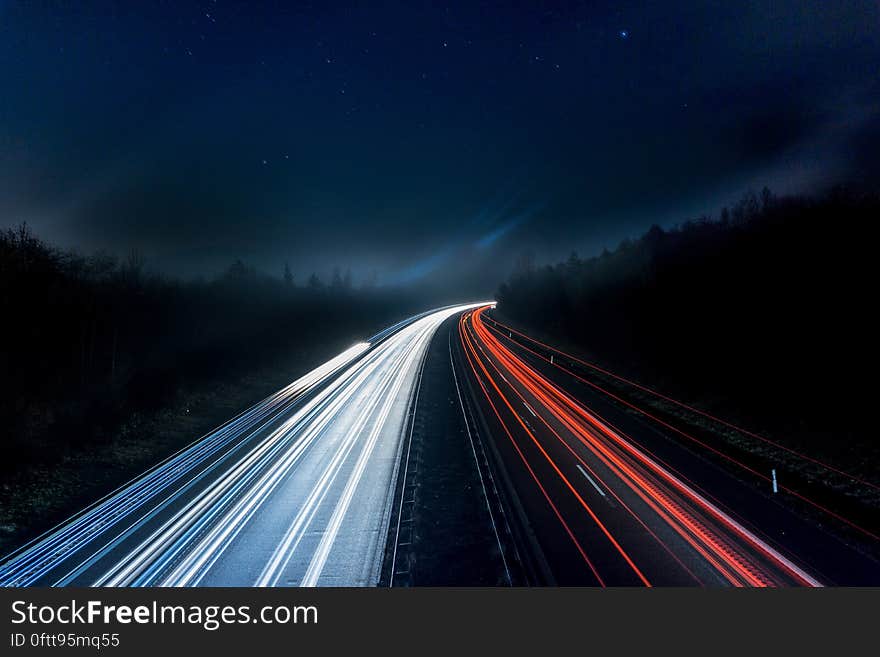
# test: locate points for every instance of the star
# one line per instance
(623, 34)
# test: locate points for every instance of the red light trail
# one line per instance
(657, 505)
(680, 404)
(654, 418)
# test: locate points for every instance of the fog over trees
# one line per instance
(89, 340)
(765, 311)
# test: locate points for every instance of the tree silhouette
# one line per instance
(92, 341)
(734, 309)
(336, 280)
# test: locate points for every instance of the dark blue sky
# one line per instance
(418, 139)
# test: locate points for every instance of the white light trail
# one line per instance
(270, 493)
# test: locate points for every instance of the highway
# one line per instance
(295, 491)
(522, 472)
(606, 499)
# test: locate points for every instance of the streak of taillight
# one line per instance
(639, 486)
(708, 447)
(683, 405)
(469, 348)
(545, 391)
(611, 491)
(567, 482)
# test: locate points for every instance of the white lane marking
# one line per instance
(590, 479)
(530, 409)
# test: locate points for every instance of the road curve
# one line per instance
(295, 491)
(603, 509)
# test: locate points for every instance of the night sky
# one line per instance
(419, 141)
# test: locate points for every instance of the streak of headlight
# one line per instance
(47, 551)
(185, 546)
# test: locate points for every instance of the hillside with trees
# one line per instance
(764, 313)
(107, 368)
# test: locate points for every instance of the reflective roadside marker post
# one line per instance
(775, 487)
(551, 359)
